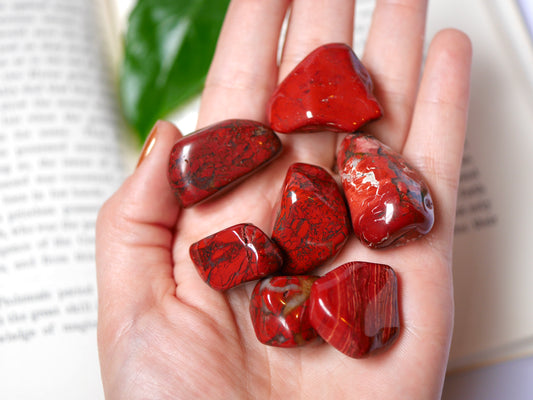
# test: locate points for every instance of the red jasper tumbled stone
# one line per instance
(354, 308)
(214, 158)
(235, 255)
(312, 223)
(329, 90)
(279, 311)
(388, 199)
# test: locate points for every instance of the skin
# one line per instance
(164, 334)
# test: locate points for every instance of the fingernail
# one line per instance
(148, 144)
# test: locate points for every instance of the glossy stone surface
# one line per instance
(312, 222)
(329, 90)
(355, 308)
(212, 159)
(388, 199)
(279, 311)
(237, 254)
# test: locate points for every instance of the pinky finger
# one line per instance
(436, 138)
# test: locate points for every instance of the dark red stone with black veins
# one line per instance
(279, 311)
(312, 222)
(235, 255)
(388, 199)
(329, 90)
(214, 158)
(355, 308)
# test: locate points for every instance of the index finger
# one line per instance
(393, 56)
(243, 73)
(436, 139)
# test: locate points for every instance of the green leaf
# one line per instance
(168, 49)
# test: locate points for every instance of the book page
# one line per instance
(59, 160)
(492, 274)
(526, 7)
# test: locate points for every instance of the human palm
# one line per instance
(164, 334)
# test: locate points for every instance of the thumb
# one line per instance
(134, 237)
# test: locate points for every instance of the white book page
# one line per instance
(513, 21)
(59, 160)
(526, 7)
(492, 273)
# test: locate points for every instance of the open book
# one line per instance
(63, 151)
(493, 271)
(60, 157)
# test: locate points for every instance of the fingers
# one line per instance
(312, 24)
(243, 73)
(435, 142)
(393, 56)
(434, 145)
(134, 234)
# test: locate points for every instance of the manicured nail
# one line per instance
(148, 144)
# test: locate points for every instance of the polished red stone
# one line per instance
(329, 90)
(237, 254)
(388, 199)
(279, 310)
(355, 308)
(312, 222)
(212, 159)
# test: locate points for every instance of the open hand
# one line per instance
(164, 334)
